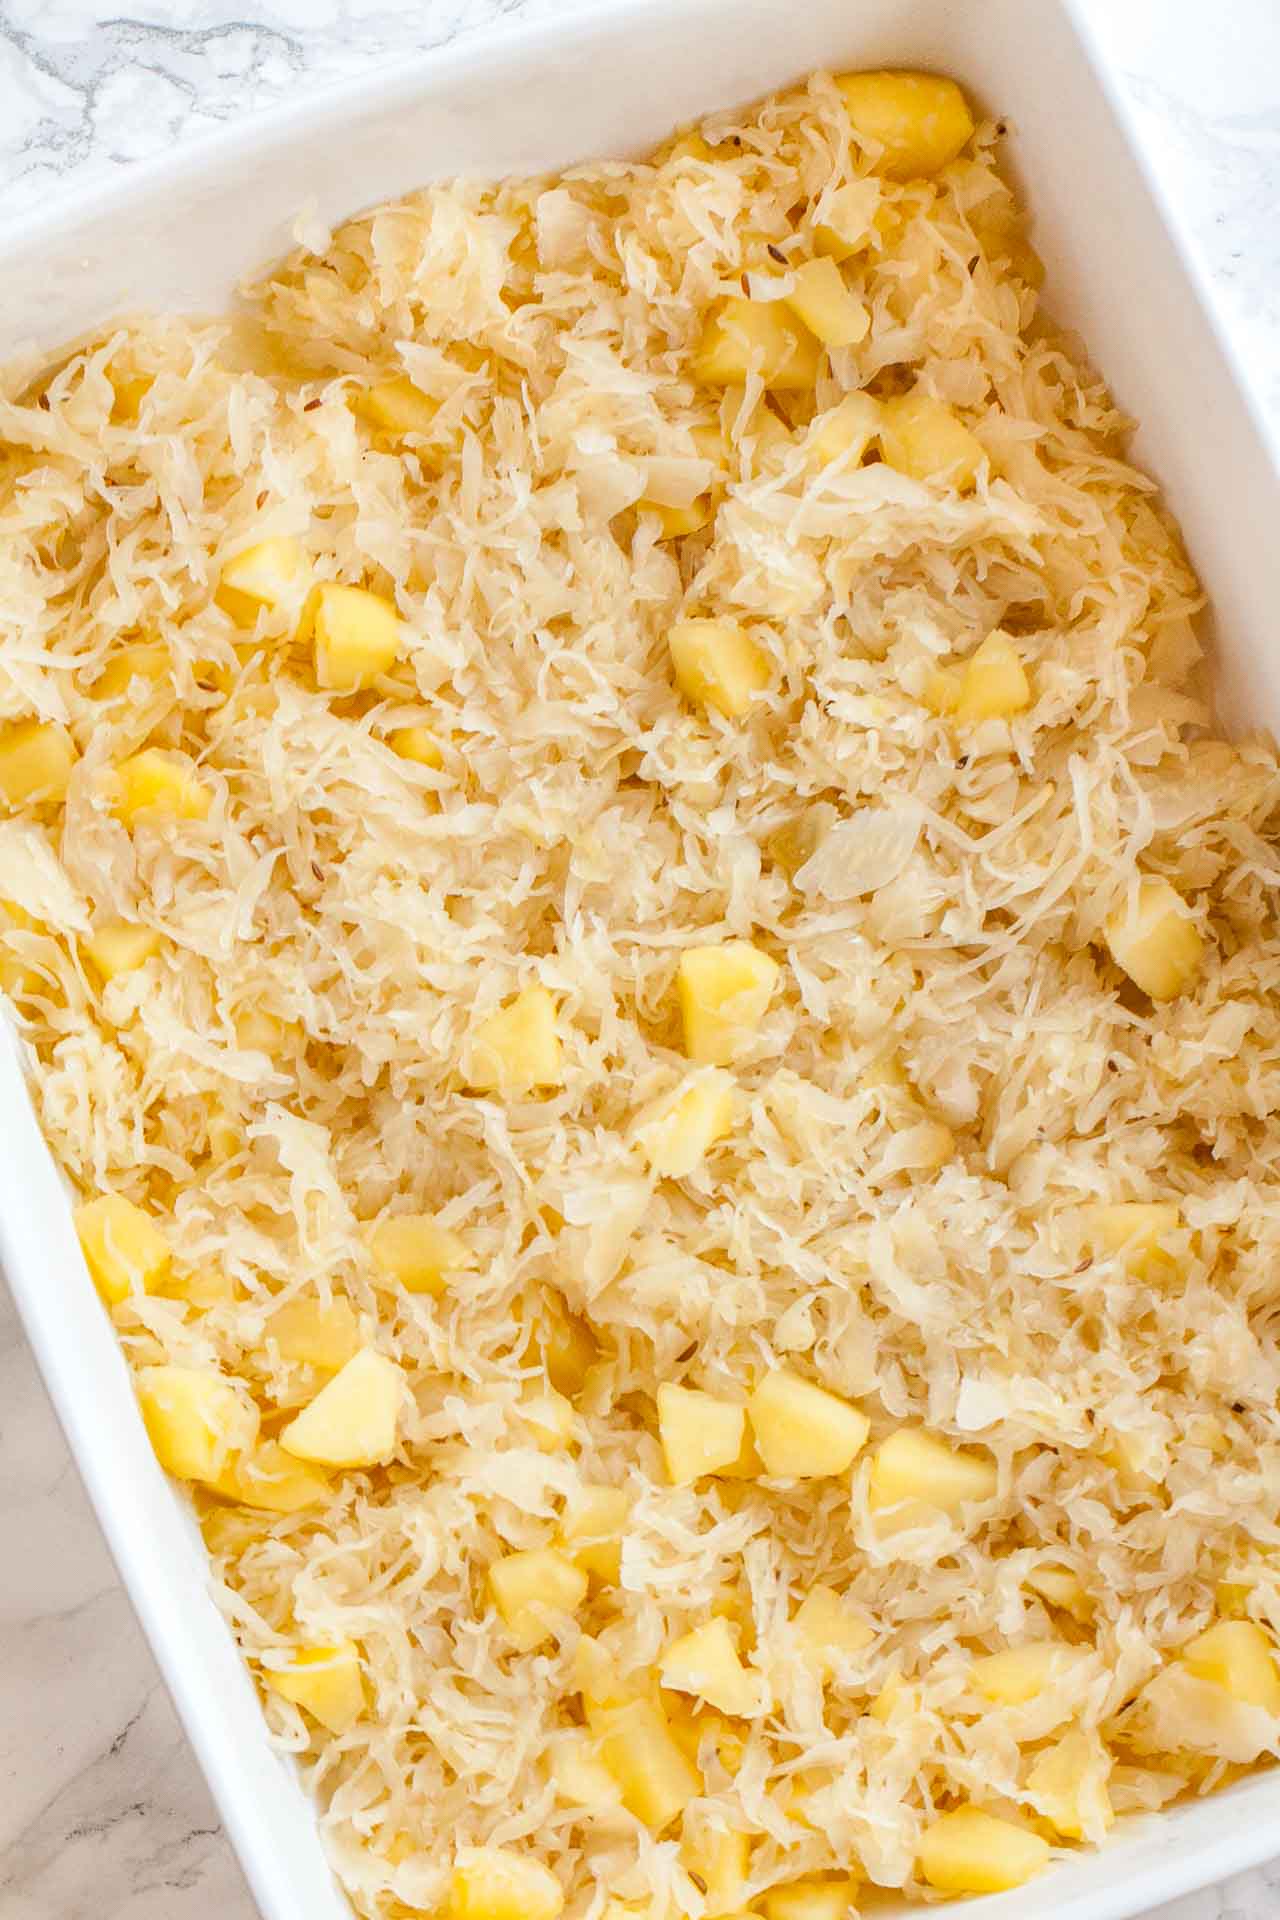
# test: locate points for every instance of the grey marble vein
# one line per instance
(103, 1814)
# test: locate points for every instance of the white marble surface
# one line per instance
(103, 1815)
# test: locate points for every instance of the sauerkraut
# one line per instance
(952, 1163)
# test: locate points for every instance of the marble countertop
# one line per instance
(103, 1814)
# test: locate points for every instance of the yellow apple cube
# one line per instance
(418, 744)
(352, 1421)
(968, 1851)
(1136, 1230)
(121, 948)
(595, 1520)
(326, 1681)
(1018, 1674)
(717, 664)
(123, 1247)
(913, 1465)
(357, 637)
(845, 431)
(811, 1899)
(272, 1481)
(1152, 939)
(517, 1049)
(927, 440)
(315, 1333)
(579, 1775)
(1067, 1783)
(828, 1629)
(533, 1591)
(801, 1431)
(421, 1255)
(913, 122)
(272, 573)
(1239, 1657)
(721, 1859)
(569, 1348)
(658, 1780)
(699, 1433)
(762, 337)
(847, 216)
(154, 786)
(676, 1133)
(36, 759)
(994, 683)
(706, 1663)
(724, 993)
(827, 306)
(196, 1419)
(551, 1420)
(1061, 1588)
(497, 1883)
(146, 660)
(396, 407)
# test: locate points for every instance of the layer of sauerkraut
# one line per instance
(892, 710)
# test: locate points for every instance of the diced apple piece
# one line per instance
(595, 1519)
(272, 1481)
(717, 664)
(418, 744)
(1237, 1656)
(699, 1433)
(154, 786)
(826, 305)
(927, 440)
(1017, 1674)
(357, 637)
(721, 1858)
(579, 1775)
(120, 948)
(123, 1247)
(532, 1590)
(517, 1049)
(657, 1779)
(415, 1250)
(258, 1031)
(325, 1680)
(677, 1131)
(196, 1420)
(705, 1662)
(569, 1348)
(847, 215)
(551, 1419)
(724, 993)
(1153, 941)
(396, 407)
(914, 1465)
(845, 431)
(811, 1899)
(802, 1431)
(915, 122)
(1061, 1588)
(272, 573)
(497, 1883)
(762, 337)
(1067, 1783)
(828, 1629)
(994, 683)
(968, 1851)
(139, 660)
(352, 1421)
(36, 758)
(677, 522)
(315, 1333)
(1135, 1229)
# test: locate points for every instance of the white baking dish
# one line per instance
(180, 234)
